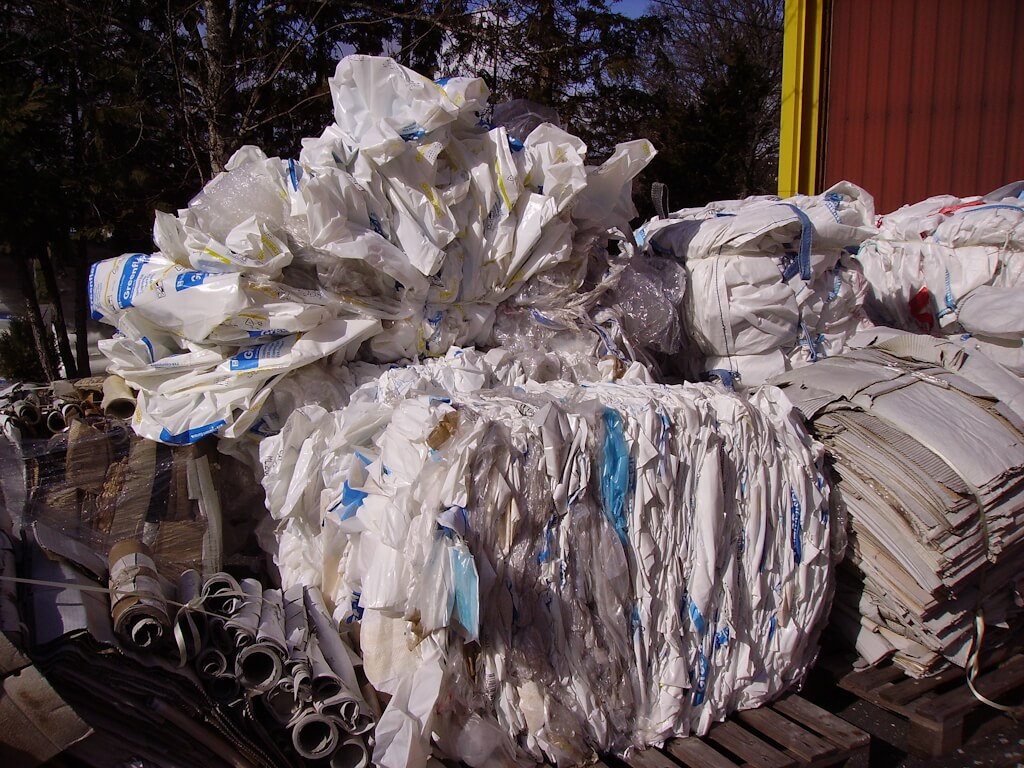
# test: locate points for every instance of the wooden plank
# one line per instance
(934, 739)
(910, 689)
(871, 679)
(835, 729)
(960, 701)
(802, 743)
(745, 745)
(695, 753)
(649, 758)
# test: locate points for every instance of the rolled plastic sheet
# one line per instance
(245, 622)
(331, 697)
(189, 623)
(351, 753)
(222, 595)
(297, 634)
(334, 680)
(27, 412)
(296, 626)
(258, 667)
(271, 627)
(211, 663)
(55, 421)
(282, 703)
(137, 603)
(70, 412)
(315, 736)
(261, 665)
(118, 399)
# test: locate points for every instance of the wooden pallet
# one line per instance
(935, 707)
(789, 733)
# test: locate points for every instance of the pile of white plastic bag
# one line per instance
(954, 267)
(396, 234)
(773, 283)
(552, 570)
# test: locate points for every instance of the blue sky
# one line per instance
(631, 8)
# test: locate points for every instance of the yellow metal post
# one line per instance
(801, 95)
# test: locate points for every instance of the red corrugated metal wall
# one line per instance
(925, 97)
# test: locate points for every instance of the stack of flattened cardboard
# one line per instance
(927, 442)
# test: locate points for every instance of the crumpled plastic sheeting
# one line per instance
(551, 570)
(953, 267)
(772, 284)
(409, 220)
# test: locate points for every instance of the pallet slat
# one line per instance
(649, 758)
(791, 733)
(835, 729)
(910, 689)
(802, 743)
(695, 753)
(743, 744)
(960, 701)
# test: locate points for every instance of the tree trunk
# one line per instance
(60, 324)
(82, 309)
(216, 94)
(35, 318)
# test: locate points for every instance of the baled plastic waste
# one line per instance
(927, 441)
(952, 267)
(547, 571)
(772, 283)
(395, 234)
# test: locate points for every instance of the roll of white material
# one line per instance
(118, 399)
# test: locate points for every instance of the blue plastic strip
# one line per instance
(724, 375)
(190, 435)
(990, 207)
(701, 678)
(795, 524)
(349, 503)
(806, 235)
(950, 301)
(615, 473)
(696, 618)
(466, 611)
(292, 176)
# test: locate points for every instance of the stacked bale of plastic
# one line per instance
(551, 571)
(953, 267)
(772, 283)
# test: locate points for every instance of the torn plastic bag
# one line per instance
(380, 105)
